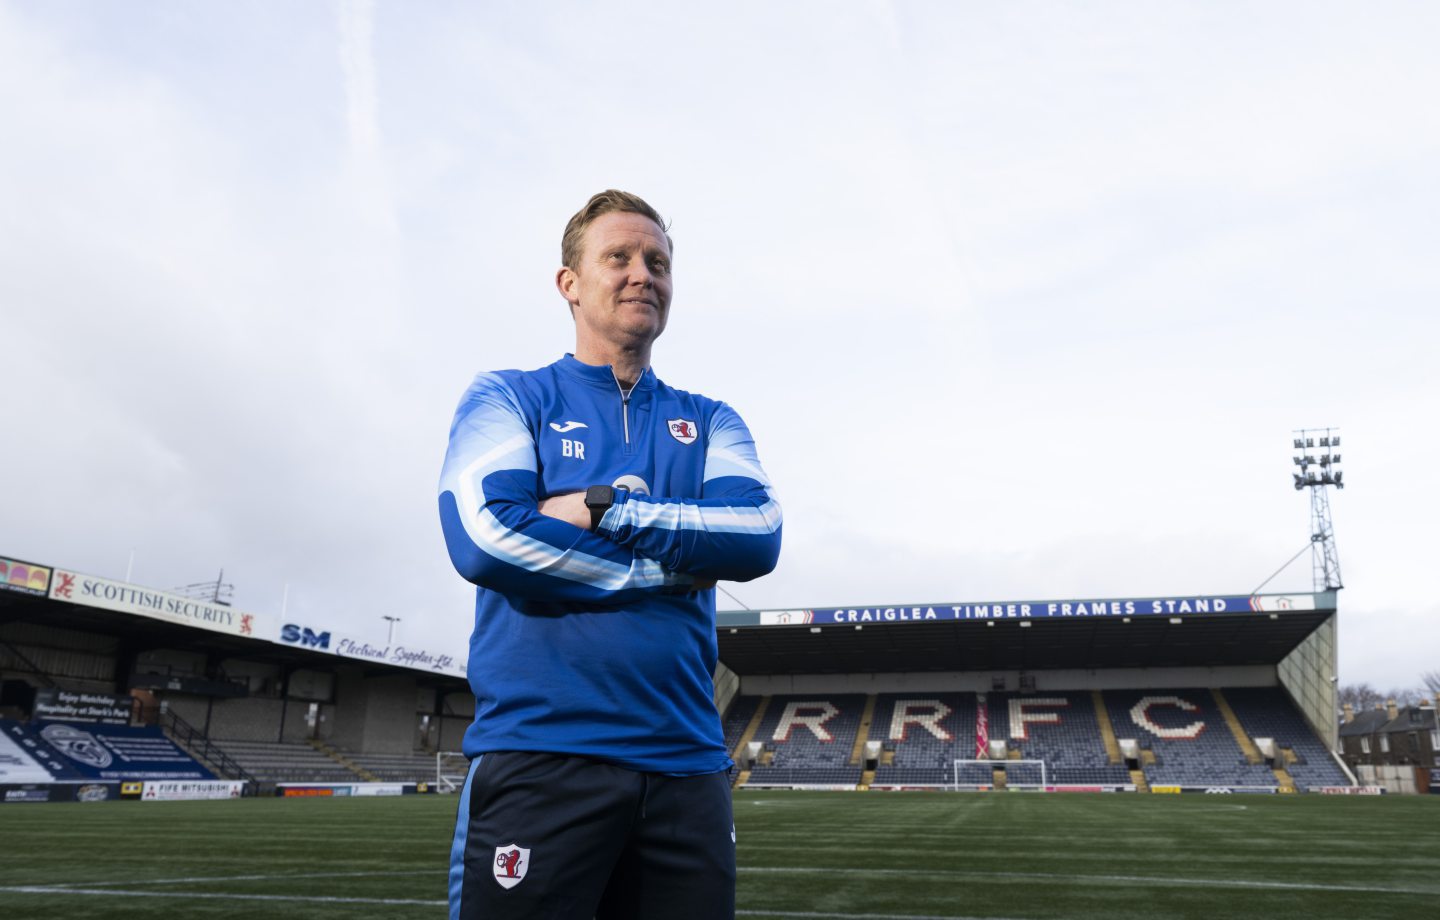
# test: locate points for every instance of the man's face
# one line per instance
(620, 291)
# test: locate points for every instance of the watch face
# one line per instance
(599, 496)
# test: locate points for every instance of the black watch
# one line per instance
(599, 499)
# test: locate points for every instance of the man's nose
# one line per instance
(640, 274)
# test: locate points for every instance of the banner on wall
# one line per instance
(1029, 610)
(92, 591)
(65, 706)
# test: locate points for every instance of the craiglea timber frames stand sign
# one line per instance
(1109, 608)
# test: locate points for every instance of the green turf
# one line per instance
(839, 855)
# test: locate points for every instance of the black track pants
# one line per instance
(552, 837)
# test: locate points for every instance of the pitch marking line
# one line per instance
(212, 896)
(314, 899)
(195, 880)
(1085, 879)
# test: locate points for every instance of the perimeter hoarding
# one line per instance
(1177, 606)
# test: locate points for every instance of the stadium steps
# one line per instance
(1247, 747)
(1283, 777)
(749, 734)
(997, 778)
(863, 733)
(740, 779)
(1138, 778)
(1107, 730)
(343, 761)
(866, 778)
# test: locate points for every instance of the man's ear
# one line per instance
(565, 280)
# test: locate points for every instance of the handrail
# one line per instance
(200, 745)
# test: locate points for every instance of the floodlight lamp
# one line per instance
(1335, 441)
(1339, 484)
(1299, 444)
(1324, 459)
(1309, 458)
(1309, 442)
(1298, 461)
(1024, 624)
(1299, 481)
(1176, 621)
(1335, 458)
(1324, 442)
(814, 629)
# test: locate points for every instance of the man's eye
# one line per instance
(660, 266)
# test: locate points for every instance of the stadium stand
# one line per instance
(1188, 737)
(809, 741)
(1061, 729)
(1267, 712)
(737, 719)
(274, 762)
(925, 734)
(415, 767)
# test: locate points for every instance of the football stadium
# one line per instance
(1098, 757)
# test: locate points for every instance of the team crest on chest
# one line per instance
(682, 430)
(511, 863)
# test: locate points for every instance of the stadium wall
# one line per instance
(982, 681)
(727, 686)
(374, 714)
(1309, 674)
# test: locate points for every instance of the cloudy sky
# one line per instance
(1021, 301)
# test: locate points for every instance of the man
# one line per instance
(595, 507)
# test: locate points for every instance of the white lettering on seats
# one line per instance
(1140, 714)
(925, 713)
(812, 715)
(1020, 719)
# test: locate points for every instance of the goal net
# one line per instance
(980, 774)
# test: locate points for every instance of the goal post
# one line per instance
(1019, 774)
(450, 770)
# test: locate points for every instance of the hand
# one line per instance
(570, 508)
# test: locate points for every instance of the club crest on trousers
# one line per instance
(511, 863)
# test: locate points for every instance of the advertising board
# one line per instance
(24, 577)
(1089, 608)
(105, 752)
(65, 706)
(177, 791)
(91, 591)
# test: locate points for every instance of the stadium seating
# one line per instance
(414, 767)
(272, 762)
(1187, 734)
(1267, 712)
(1061, 729)
(812, 738)
(737, 717)
(903, 723)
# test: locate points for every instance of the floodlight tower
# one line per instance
(1317, 461)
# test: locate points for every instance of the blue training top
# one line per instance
(597, 643)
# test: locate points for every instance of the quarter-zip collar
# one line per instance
(602, 375)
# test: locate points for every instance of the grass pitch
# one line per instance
(904, 856)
